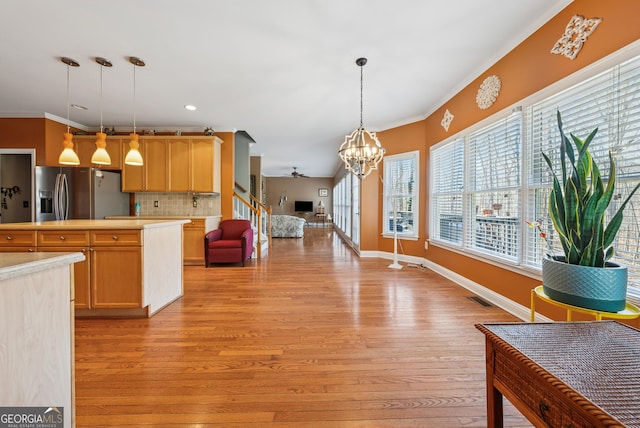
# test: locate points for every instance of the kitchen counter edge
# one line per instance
(93, 224)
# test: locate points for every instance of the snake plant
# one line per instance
(578, 203)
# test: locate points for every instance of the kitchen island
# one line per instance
(193, 233)
(36, 331)
(133, 267)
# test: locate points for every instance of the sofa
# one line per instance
(287, 226)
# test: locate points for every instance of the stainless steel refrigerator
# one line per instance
(78, 193)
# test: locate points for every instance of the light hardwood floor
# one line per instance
(311, 336)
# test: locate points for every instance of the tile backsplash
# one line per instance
(178, 204)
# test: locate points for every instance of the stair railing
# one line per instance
(258, 214)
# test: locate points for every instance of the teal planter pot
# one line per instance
(601, 289)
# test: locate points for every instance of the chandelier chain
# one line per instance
(361, 91)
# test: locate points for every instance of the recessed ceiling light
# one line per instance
(190, 107)
(79, 107)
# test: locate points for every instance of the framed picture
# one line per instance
(323, 192)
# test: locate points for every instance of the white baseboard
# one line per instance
(497, 299)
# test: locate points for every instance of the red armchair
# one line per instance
(232, 242)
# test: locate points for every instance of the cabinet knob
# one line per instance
(114, 237)
(62, 238)
(84, 250)
(30, 250)
(9, 238)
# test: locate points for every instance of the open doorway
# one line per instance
(16, 186)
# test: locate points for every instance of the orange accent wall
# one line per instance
(370, 199)
(525, 70)
(395, 141)
(227, 173)
(25, 134)
(43, 135)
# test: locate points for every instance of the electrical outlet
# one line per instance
(195, 204)
(426, 245)
(156, 204)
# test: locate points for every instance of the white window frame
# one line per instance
(531, 186)
(412, 192)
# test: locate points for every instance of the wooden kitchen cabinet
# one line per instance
(133, 176)
(71, 241)
(193, 242)
(85, 145)
(116, 276)
(81, 274)
(17, 241)
(175, 164)
(179, 166)
(152, 175)
(110, 276)
(205, 165)
(155, 165)
(132, 268)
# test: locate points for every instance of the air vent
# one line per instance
(480, 301)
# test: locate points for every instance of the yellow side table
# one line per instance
(628, 313)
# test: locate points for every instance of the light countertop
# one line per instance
(18, 264)
(133, 223)
(164, 217)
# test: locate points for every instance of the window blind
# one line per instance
(609, 101)
(494, 159)
(401, 194)
(447, 185)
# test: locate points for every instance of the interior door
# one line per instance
(16, 178)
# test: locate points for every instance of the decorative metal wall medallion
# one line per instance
(576, 33)
(446, 120)
(488, 92)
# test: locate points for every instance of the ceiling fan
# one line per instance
(296, 174)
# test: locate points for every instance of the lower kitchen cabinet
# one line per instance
(81, 276)
(130, 268)
(193, 242)
(116, 278)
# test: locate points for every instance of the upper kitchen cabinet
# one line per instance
(175, 164)
(85, 145)
(205, 165)
(154, 155)
(152, 175)
(179, 168)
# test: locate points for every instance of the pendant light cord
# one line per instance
(101, 68)
(134, 98)
(68, 111)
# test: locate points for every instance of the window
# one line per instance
(609, 101)
(401, 194)
(447, 179)
(488, 180)
(493, 188)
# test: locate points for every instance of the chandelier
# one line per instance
(361, 151)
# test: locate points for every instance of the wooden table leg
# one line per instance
(494, 397)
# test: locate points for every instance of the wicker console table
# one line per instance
(564, 374)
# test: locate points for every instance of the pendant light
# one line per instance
(100, 156)
(361, 151)
(68, 155)
(133, 156)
